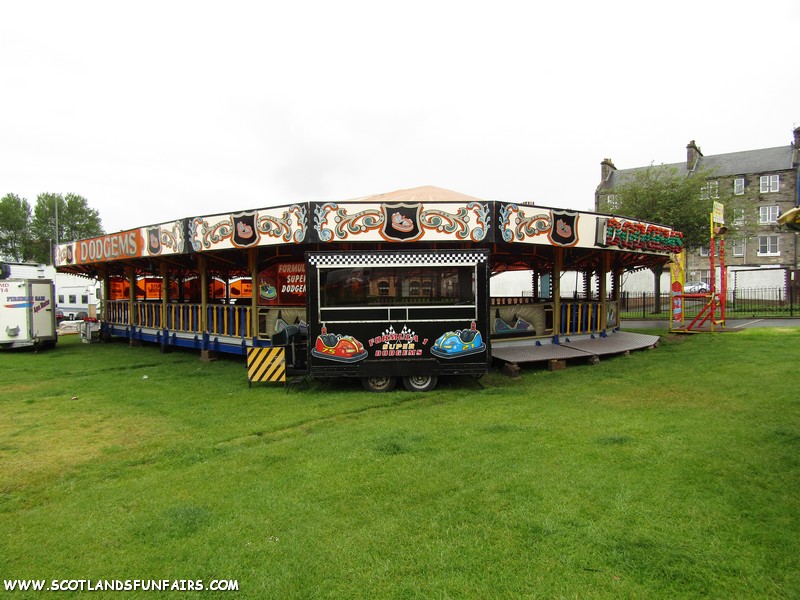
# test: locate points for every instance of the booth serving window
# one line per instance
(433, 285)
(397, 287)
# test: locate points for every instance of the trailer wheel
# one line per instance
(379, 384)
(420, 383)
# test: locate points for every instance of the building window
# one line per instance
(738, 247)
(414, 288)
(703, 250)
(768, 245)
(738, 186)
(72, 299)
(383, 288)
(710, 190)
(767, 214)
(769, 183)
(738, 216)
(612, 202)
(705, 276)
(61, 299)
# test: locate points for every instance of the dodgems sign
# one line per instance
(126, 244)
(155, 240)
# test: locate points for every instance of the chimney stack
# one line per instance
(606, 168)
(796, 147)
(693, 154)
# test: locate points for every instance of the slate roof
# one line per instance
(766, 160)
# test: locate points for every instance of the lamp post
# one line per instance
(52, 253)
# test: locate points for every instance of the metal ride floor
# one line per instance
(579, 346)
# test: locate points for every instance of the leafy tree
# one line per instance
(665, 195)
(15, 214)
(76, 220)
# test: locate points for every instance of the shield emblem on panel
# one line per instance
(245, 234)
(154, 240)
(401, 222)
(564, 228)
(66, 255)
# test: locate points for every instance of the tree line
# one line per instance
(29, 234)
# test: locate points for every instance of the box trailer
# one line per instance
(408, 316)
(27, 313)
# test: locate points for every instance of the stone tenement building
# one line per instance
(758, 185)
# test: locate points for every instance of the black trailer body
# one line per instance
(399, 315)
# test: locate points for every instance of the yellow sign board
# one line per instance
(718, 213)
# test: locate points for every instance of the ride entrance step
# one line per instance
(530, 352)
(589, 347)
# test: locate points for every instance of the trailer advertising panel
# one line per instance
(407, 316)
(27, 313)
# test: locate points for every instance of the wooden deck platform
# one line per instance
(589, 347)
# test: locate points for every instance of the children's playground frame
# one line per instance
(712, 312)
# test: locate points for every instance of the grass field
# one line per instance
(671, 473)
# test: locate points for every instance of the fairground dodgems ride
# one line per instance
(385, 288)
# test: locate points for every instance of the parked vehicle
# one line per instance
(75, 299)
(27, 313)
(76, 296)
(696, 287)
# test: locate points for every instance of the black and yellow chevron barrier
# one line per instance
(266, 364)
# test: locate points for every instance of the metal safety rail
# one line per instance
(221, 319)
(183, 317)
(225, 319)
(580, 317)
(116, 311)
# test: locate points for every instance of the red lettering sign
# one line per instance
(125, 244)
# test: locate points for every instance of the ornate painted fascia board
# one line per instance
(153, 240)
(262, 227)
(626, 234)
(401, 222)
(565, 228)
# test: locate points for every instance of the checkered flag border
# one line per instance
(425, 259)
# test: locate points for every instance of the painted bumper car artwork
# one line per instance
(455, 344)
(402, 223)
(517, 324)
(267, 291)
(338, 348)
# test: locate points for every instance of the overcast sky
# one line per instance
(155, 111)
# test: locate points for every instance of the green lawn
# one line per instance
(669, 473)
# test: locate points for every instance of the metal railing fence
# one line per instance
(739, 303)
